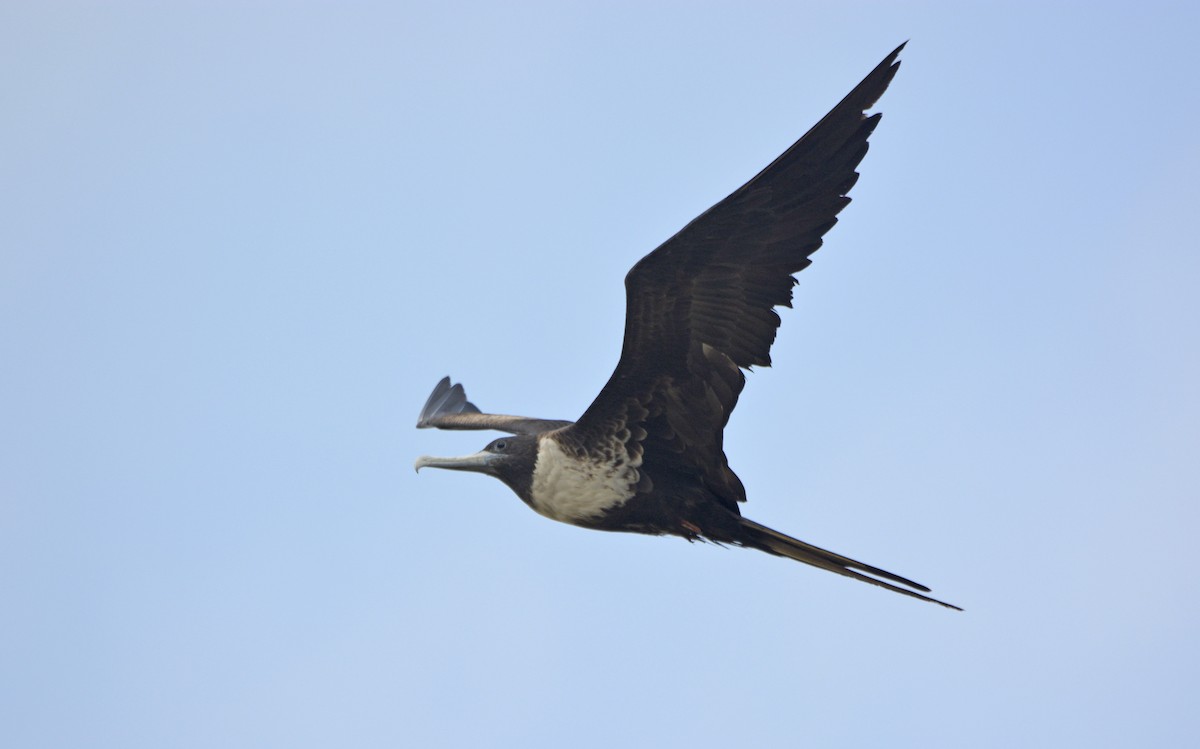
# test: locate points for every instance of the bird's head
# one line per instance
(510, 459)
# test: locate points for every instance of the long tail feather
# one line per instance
(771, 541)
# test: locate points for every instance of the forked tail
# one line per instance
(761, 537)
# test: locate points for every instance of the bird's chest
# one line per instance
(580, 489)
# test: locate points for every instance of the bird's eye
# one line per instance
(500, 445)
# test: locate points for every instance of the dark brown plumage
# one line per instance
(648, 455)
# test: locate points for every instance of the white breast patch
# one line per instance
(572, 489)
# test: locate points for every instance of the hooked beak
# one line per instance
(480, 462)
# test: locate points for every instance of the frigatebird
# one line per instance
(648, 455)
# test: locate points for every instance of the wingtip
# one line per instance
(891, 60)
(446, 398)
(436, 398)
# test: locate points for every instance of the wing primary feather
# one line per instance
(448, 408)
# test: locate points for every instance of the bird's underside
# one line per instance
(648, 455)
(666, 505)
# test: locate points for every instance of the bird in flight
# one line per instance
(648, 455)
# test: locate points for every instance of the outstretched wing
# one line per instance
(700, 308)
(448, 408)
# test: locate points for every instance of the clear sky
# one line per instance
(240, 243)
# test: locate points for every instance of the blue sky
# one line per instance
(240, 243)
